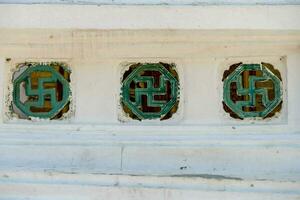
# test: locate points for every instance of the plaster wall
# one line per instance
(204, 153)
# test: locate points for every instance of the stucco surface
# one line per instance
(205, 154)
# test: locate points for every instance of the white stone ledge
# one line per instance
(150, 17)
(48, 185)
(250, 156)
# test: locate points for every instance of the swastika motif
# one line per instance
(150, 91)
(252, 90)
(42, 90)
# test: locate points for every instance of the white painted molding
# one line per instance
(243, 156)
(150, 17)
(204, 142)
(62, 186)
(94, 156)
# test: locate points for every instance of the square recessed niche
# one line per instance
(39, 91)
(254, 89)
(149, 91)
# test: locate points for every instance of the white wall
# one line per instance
(149, 17)
(203, 154)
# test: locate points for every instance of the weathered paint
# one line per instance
(151, 17)
(204, 154)
(59, 185)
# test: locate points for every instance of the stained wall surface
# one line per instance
(203, 152)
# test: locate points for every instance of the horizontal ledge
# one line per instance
(205, 182)
(150, 17)
(167, 129)
(40, 37)
(152, 137)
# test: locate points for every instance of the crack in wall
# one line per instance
(121, 162)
